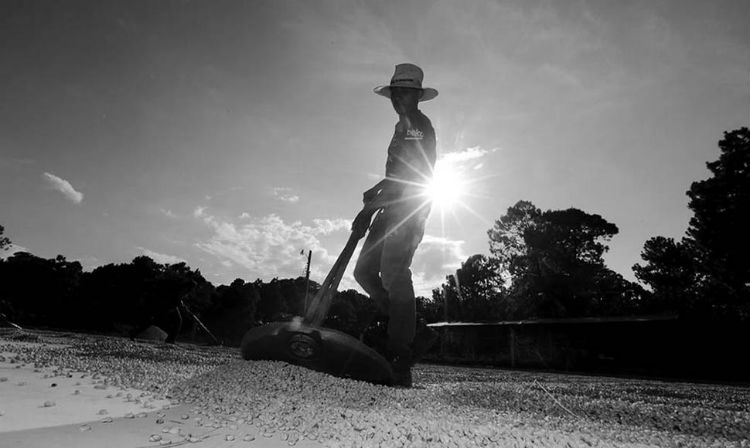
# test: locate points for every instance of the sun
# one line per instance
(447, 187)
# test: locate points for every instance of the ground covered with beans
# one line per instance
(449, 406)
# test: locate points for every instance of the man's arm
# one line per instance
(389, 187)
(382, 194)
(373, 192)
(377, 197)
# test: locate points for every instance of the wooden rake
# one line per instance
(318, 310)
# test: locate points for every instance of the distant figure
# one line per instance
(5, 322)
(164, 311)
(383, 265)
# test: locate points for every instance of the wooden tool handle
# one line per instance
(320, 304)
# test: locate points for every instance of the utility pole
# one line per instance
(445, 302)
(307, 279)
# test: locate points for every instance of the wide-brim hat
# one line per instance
(409, 76)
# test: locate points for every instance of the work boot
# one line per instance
(401, 362)
(424, 339)
(402, 378)
(375, 334)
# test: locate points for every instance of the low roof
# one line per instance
(569, 320)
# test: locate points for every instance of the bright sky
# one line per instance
(235, 134)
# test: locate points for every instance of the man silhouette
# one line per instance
(163, 308)
(402, 210)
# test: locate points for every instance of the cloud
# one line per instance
(268, 246)
(285, 194)
(12, 249)
(566, 77)
(159, 257)
(64, 187)
(89, 262)
(15, 162)
(437, 257)
(168, 213)
(326, 226)
(220, 193)
(423, 284)
(466, 155)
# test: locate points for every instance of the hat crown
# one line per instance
(407, 75)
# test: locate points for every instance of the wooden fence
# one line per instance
(663, 346)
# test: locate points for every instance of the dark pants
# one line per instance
(383, 270)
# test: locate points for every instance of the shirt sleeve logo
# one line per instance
(414, 134)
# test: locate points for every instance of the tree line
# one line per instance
(541, 264)
(114, 298)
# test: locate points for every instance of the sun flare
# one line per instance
(447, 187)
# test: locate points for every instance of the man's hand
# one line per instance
(370, 195)
(362, 222)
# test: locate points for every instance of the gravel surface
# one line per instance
(449, 406)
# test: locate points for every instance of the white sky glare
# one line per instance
(233, 135)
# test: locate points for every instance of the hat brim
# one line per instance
(428, 93)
